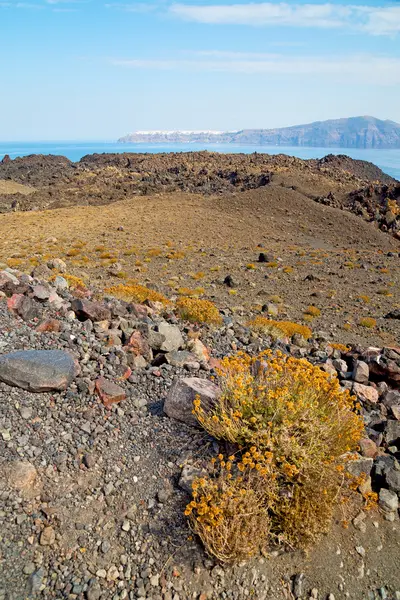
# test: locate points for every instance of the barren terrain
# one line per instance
(250, 246)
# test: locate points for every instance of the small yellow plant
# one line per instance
(342, 347)
(13, 263)
(250, 267)
(175, 255)
(276, 299)
(313, 311)
(368, 322)
(366, 299)
(278, 328)
(134, 292)
(185, 291)
(288, 269)
(272, 264)
(198, 311)
(154, 252)
(73, 252)
(198, 275)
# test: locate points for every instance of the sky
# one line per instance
(95, 70)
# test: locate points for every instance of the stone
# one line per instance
(41, 272)
(23, 306)
(394, 314)
(179, 402)
(230, 282)
(23, 477)
(360, 466)
(89, 461)
(361, 372)
(298, 585)
(388, 500)
(49, 326)
(86, 309)
(391, 398)
(38, 370)
(110, 393)
(199, 350)
(180, 358)
(155, 339)
(60, 283)
(57, 264)
(173, 337)
(188, 475)
(47, 537)
(265, 258)
(368, 448)
(41, 292)
(396, 411)
(139, 345)
(392, 432)
(393, 480)
(366, 393)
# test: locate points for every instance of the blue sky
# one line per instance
(88, 69)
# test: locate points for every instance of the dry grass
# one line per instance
(11, 187)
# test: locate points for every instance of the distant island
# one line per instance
(354, 132)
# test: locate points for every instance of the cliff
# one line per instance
(354, 132)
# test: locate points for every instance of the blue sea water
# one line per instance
(387, 160)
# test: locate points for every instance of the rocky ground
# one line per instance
(95, 477)
(94, 473)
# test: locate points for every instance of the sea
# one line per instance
(387, 160)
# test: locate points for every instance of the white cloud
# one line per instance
(351, 69)
(373, 20)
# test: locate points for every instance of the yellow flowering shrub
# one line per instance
(278, 328)
(198, 311)
(295, 418)
(230, 509)
(133, 292)
(313, 311)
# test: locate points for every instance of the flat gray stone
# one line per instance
(37, 370)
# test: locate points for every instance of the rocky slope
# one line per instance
(95, 475)
(54, 182)
(354, 132)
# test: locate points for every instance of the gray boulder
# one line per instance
(37, 370)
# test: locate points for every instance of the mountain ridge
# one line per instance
(353, 132)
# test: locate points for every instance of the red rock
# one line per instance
(139, 345)
(14, 302)
(110, 393)
(49, 325)
(366, 393)
(126, 372)
(85, 309)
(215, 363)
(368, 448)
